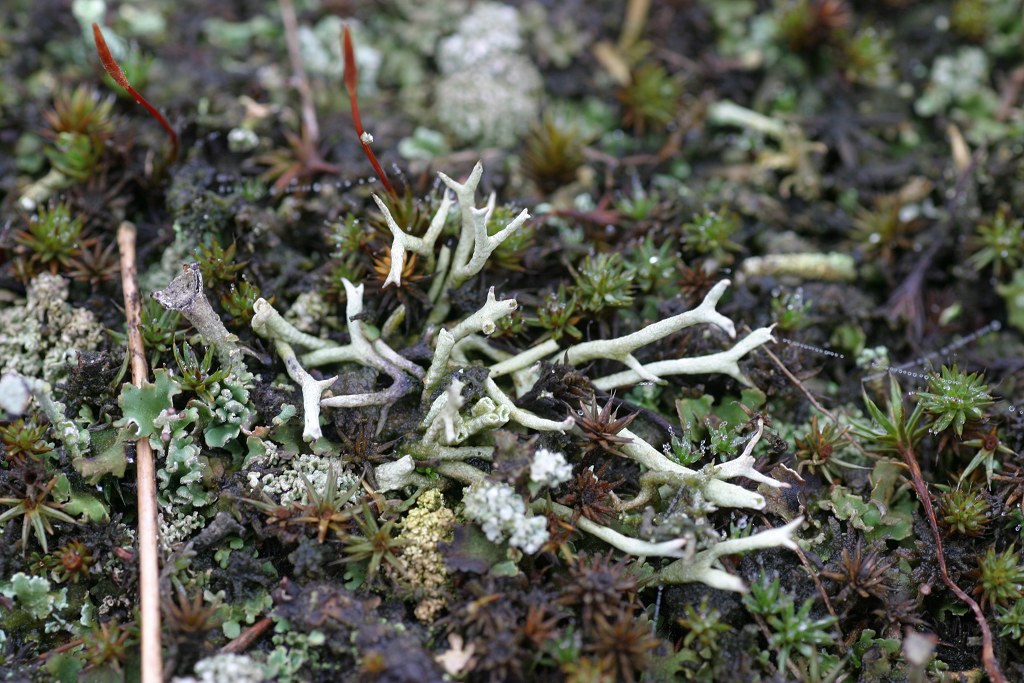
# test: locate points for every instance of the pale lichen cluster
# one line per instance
(482, 64)
(453, 430)
(425, 576)
(42, 335)
(502, 515)
(225, 667)
(281, 478)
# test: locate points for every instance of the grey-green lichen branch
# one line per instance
(440, 421)
(716, 490)
(366, 354)
(712, 479)
(312, 390)
(404, 242)
(482, 321)
(455, 421)
(475, 245)
(724, 362)
(185, 294)
(525, 417)
(444, 425)
(701, 567)
(270, 324)
(627, 544)
(622, 348)
(474, 478)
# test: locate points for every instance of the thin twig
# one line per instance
(247, 637)
(311, 128)
(810, 397)
(70, 645)
(1010, 93)
(799, 385)
(817, 582)
(149, 567)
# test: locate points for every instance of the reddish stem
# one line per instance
(351, 86)
(988, 658)
(111, 66)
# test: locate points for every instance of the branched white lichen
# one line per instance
(485, 414)
(525, 417)
(367, 354)
(268, 323)
(454, 427)
(718, 492)
(403, 242)
(627, 544)
(444, 427)
(503, 506)
(525, 359)
(472, 251)
(743, 464)
(622, 348)
(312, 390)
(478, 344)
(443, 418)
(482, 321)
(475, 245)
(724, 362)
(701, 566)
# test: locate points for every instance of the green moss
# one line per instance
(1012, 293)
(955, 397)
(1000, 576)
(964, 511)
(795, 633)
(710, 234)
(604, 281)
